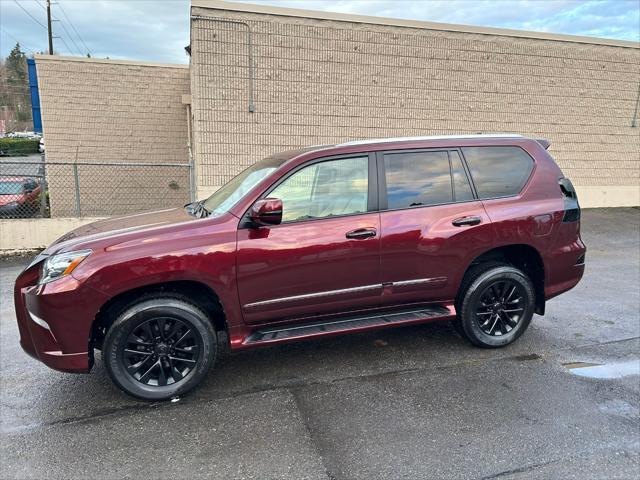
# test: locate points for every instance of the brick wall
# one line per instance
(321, 81)
(111, 111)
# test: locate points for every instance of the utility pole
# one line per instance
(49, 27)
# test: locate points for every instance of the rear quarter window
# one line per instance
(498, 171)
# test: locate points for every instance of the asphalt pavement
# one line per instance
(407, 403)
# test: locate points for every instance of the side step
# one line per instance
(351, 323)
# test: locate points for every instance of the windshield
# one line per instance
(231, 193)
(10, 188)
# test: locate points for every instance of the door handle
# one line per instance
(464, 221)
(361, 233)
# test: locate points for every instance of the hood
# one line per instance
(118, 227)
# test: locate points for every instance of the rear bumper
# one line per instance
(565, 269)
(55, 320)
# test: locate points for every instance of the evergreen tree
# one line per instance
(17, 66)
(14, 89)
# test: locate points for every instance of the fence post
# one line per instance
(43, 187)
(77, 189)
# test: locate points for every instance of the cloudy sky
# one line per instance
(158, 30)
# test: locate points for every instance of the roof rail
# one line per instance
(433, 137)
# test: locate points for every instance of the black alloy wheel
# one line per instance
(162, 351)
(499, 308)
(495, 304)
(160, 347)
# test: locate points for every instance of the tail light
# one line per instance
(571, 205)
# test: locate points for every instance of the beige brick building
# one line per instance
(317, 78)
(264, 79)
(112, 111)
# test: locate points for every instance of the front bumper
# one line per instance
(11, 210)
(55, 320)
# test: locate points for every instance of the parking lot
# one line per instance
(414, 402)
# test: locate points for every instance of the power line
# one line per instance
(9, 34)
(43, 26)
(73, 27)
(33, 18)
(78, 49)
(70, 37)
(65, 44)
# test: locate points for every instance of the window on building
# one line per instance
(498, 171)
(325, 189)
(417, 179)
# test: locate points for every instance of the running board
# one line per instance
(348, 324)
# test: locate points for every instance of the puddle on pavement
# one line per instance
(604, 371)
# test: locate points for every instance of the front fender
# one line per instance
(115, 272)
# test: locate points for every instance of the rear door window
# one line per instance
(498, 171)
(425, 178)
(417, 179)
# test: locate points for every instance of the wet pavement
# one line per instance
(415, 402)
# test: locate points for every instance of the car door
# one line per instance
(431, 223)
(324, 258)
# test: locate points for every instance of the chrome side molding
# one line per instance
(342, 291)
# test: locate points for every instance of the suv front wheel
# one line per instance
(495, 305)
(160, 347)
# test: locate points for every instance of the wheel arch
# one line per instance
(522, 256)
(198, 293)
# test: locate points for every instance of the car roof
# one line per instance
(15, 179)
(395, 143)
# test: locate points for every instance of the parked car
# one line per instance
(30, 135)
(19, 196)
(479, 230)
(41, 145)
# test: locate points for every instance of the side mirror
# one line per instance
(266, 211)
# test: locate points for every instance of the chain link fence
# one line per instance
(35, 188)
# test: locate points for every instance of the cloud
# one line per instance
(159, 30)
(132, 29)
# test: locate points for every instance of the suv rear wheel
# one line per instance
(495, 305)
(160, 347)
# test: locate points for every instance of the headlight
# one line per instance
(58, 266)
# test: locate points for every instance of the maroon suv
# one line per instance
(480, 230)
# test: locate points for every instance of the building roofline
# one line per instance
(42, 57)
(347, 17)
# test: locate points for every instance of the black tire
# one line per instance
(173, 339)
(495, 305)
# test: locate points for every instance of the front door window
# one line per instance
(325, 189)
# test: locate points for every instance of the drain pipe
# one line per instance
(249, 45)
(634, 121)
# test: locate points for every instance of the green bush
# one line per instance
(18, 146)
